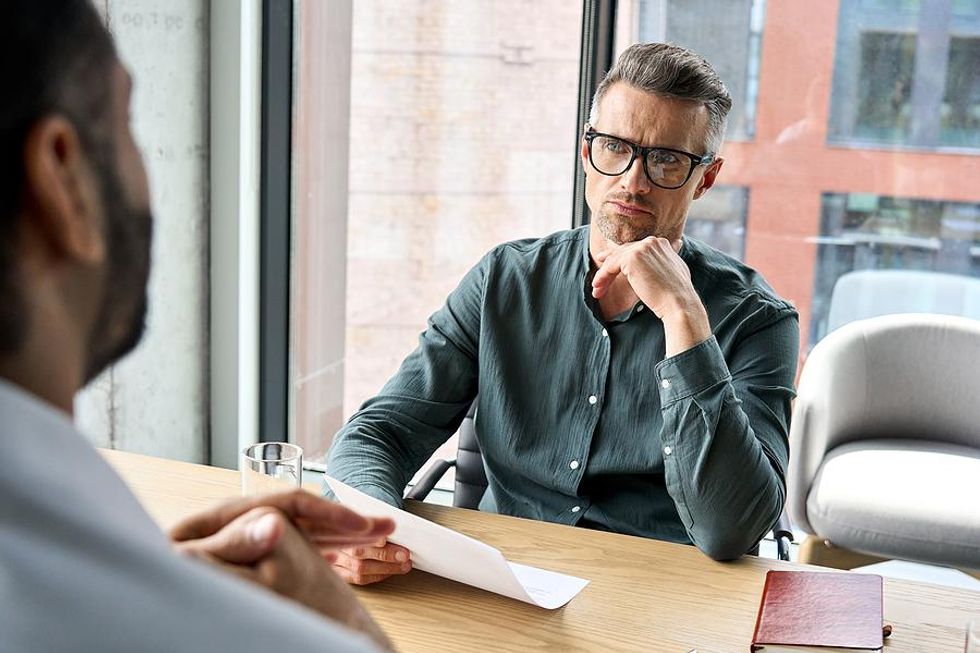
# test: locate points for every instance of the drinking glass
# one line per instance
(271, 467)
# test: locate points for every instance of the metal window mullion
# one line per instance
(274, 219)
(595, 59)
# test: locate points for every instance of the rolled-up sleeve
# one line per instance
(725, 434)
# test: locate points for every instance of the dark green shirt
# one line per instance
(583, 420)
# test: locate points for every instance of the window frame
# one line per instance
(275, 216)
(235, 125)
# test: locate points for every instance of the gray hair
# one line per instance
(671, 71)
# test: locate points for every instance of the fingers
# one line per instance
(354, 578)
(242, 542)
(295, 504)
(326, 534)
(246, 572)
(369, 564)
(317, 516)
(609, 269)
(620, 260)
(382, 550)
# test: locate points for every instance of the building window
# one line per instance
(874, 232)
(887, 65)
(960, 112)
(729, 37)
(906, 74)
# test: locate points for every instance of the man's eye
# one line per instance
(663, 157)
(614, 146)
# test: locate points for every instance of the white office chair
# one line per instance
(868, 293)
(885, 440)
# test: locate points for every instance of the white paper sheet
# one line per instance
(444, 552)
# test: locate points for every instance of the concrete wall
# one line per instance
(156, 400)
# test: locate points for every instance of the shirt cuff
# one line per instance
(691, 372)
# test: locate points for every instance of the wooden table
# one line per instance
(645, 595)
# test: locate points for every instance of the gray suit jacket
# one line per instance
(84, 568)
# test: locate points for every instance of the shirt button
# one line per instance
(667, 451)
(573, 464)
(605, 334)
(576, 508)
(639, 309)
(665, 384)
(593, 399)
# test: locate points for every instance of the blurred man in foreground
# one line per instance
(82, 566)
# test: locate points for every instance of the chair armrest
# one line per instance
(782, 532)
(429, 479)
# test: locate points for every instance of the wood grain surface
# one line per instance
(644, 595)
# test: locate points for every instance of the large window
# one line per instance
(425, 133)
(462, 128)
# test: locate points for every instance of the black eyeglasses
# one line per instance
(664, 167)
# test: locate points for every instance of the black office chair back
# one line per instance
(471, 476)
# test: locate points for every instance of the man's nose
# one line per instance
(634, 179)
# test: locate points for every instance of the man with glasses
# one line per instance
(630, 378)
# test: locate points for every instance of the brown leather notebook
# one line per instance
(824, 612)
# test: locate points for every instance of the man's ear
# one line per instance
(585, 155)
(61, 192)
(708, 179)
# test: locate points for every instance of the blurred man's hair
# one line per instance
(55, 59)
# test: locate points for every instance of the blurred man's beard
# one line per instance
(122, 316)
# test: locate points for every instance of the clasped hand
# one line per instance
(658, 275)
(284, 542)
(662, 281)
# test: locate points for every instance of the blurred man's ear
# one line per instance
(62, 202)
